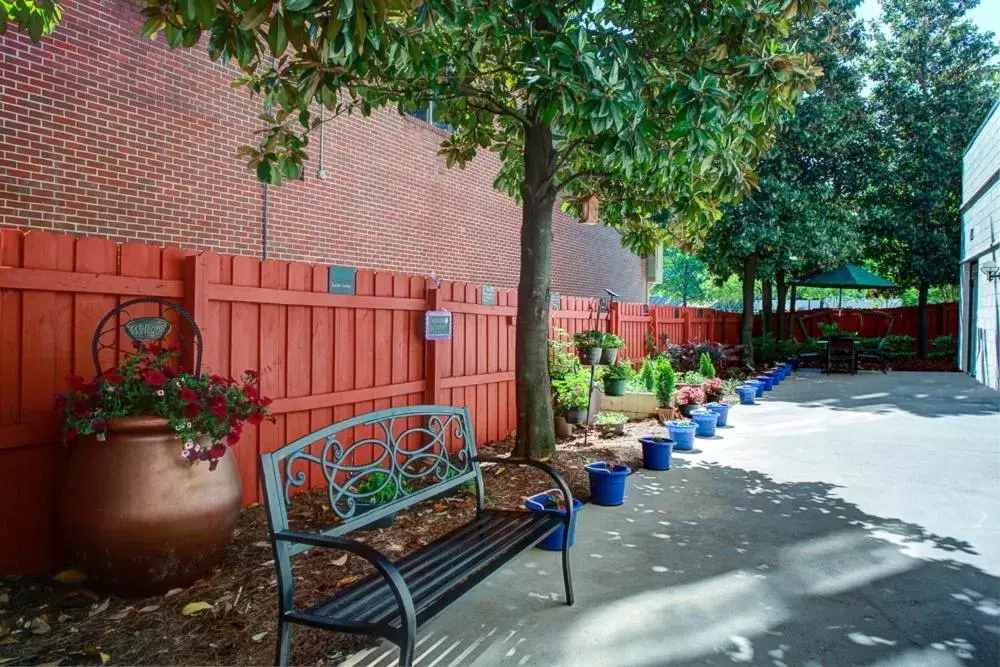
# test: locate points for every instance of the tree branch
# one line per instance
(581, 174)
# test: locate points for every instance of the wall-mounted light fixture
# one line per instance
(990, 269)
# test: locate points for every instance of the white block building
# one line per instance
(979, 308)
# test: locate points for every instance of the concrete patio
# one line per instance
(846, 520)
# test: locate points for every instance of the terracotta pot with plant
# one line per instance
(151, 497)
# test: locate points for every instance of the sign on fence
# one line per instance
(437, 325)
(343, 279)
(489, 295)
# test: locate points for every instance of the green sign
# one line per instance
(437, 325)
(489, 295)
(343, 279)
(147, 328)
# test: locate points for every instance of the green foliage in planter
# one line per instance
(609, 341)
(587, 340)
(896, 347)
(562, 362)
(610, 418)
(692, 378)
(767, 350)
(944, 347)
(620, 370)
(571, 392)
(705, 365)
(666, 382)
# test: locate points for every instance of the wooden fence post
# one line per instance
(654, 322)
(614, 315)
(196, 303)
(432, 394)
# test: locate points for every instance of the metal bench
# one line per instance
(420, 452)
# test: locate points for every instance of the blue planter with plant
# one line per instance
(767, 384)
(720, 408)
(758, 387)
(705, 420)
(747, 394)
(656, 452)
(794, 363)
(553, 503)
(607, 482)
(682, 433)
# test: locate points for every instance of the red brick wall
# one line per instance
(104, 133)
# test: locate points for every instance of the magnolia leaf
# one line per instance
(172, 592)
(99, 608)
(347, 581)
(192, 608)
(259, 636)
(149, 609)
(340, 562)
(71, 576)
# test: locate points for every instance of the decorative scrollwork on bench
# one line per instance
(393, 471)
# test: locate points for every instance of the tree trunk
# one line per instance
(746, 323)
(791, 312)
(535, 430)
(922, 320)
(782, 293)
(765, 308)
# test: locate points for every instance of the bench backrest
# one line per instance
(396, 458)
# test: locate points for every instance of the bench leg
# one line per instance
(283, 653)
(406, 650)
(566, 575)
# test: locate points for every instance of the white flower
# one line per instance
(160, 392)
(179, 428)
(186, 453)
(187, 425)
(188, 445)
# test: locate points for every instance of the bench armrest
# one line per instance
(545, 467)
(385, 567)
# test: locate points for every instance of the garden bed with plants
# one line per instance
(228, 617)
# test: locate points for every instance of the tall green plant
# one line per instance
(705, 365)
(647, 374)
(666, 382)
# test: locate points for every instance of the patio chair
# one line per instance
(876, 356)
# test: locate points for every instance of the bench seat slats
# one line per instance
(454, 562)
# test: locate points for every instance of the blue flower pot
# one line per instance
(656, 451)
(794, 363)
(766, 382)
(746, 395)
(682, 435)
(720, 408)
(554, 542)
(607, 484)
(758, 387)
(706, 421)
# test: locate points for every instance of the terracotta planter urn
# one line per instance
(140, 520)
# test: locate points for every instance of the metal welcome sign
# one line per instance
(147, 328)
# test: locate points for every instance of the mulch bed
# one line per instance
(44, 621)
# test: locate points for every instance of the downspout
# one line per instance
(263, 222)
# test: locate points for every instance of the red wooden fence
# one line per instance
(942, 320)
(322, 357)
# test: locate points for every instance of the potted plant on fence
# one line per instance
(688, 398)
(610, 345)
(610, 423)
(616, 375)
(151, 498)
(665, 381)
(588, 346)
(572, 397)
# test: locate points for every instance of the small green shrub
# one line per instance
(611, 342)
(705, 366)
(561, 361)
(647, 374)
(610, 418)
(571, 391)
(620, 370)
(944, 347)
(382, 486)
(666, 382)
(692, 378)
(589, 339)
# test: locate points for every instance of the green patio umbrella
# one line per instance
(848, 276)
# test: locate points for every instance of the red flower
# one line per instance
(251, 376)
(264, 401)
(175, 347)
(75, 381)
(217, 379)
(188, 395)
(154, 378)
(232, 438)
(191, 410)
(71, 433)
(113, 378)
(251, 392)
(81, 409)
(218, 410)
(255, 418)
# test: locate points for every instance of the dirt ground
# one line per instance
(48, 622)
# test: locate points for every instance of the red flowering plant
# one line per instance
(689, 396)
(714, 387)
(150, 383)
